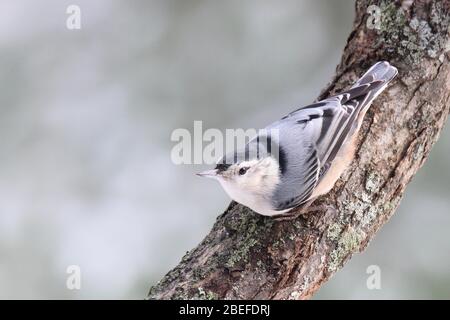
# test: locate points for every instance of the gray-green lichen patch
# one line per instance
(261, 266)
(348, 242)
(369, 216)
(334, 230)
(240, 254)
(250, 243)
(373, 182)
(356, 209)
(248, 229)
(413, 39)
(364, 210)
(200, 273)
(243, 220)
(345, 214)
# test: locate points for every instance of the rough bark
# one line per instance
(248, 256)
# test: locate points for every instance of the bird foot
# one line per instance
(294, 214)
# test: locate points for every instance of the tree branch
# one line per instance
(248, 256)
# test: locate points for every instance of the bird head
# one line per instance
(246, 178)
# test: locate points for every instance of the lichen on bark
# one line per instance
(248, 256)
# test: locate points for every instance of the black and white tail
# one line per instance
(375, 81)
(355, 102)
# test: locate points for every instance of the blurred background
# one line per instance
(86, 117)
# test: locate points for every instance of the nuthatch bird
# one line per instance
(314, 145)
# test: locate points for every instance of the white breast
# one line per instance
(257, 203)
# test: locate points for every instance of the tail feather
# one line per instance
(376, 79)
(360, 96)
(380, 71)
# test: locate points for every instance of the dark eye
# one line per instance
(242, 171)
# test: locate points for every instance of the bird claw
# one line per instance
(294, 214)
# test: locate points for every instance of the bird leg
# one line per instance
(303, 211)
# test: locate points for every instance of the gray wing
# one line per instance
(310, 137)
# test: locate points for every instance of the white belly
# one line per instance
(257, 203)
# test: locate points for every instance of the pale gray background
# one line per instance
(86, 117)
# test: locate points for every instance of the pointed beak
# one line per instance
(208, 173)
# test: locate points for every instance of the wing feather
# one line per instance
(311, 137)
(328, 123)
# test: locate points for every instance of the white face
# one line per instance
(248, 182)
(254, 176)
